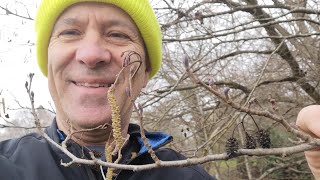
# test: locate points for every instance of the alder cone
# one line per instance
(250, 142)
(263, 138)
(232, 146)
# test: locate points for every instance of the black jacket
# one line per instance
(31, 157)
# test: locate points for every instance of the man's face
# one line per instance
(84, 58)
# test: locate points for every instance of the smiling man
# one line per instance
(84, 58)
(81, 48)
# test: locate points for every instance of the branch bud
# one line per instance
(186, 61)
(31, 75)
(211, 82)
(140, 109)
(128, 92)
(226, 92)
(126, 62)
(26, 85)
(32, 95)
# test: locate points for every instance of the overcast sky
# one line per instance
(17, 55)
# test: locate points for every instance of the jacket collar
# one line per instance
(52, 131)
(156, 139)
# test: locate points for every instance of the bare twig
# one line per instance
(144, 138)
(8, 12)
(31, 98)
(285, 151)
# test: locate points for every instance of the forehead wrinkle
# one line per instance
(72, 21)
(69, 21)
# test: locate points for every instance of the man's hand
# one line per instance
(308, 120)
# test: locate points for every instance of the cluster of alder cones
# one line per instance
(261, 137)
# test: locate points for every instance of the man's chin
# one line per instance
(89, 122)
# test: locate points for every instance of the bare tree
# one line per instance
(264, 54)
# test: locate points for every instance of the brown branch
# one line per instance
(282, 166)
(31, 98)
(285, 151)
(143, 136)
(251, 7)
(249, 110)
(230, 84)
(22, 127)
(236, 8)
(206, 37)
(286, 79)
(284, 50)
(8, 12)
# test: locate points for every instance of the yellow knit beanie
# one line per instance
(139, 10)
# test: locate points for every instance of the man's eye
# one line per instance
(119, 35)
(70, 33)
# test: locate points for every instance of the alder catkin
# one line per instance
(108, 154)
(116, 120)
(116, 129)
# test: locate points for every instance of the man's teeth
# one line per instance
(94, 85)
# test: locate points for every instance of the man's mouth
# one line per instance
(93, 85)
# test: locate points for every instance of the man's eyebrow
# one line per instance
(70, 21)
(106, 24)
(67, 21)
(115, 23)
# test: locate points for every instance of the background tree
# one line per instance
(261, 51)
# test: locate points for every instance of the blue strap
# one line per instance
(155, 139)
(61, 135)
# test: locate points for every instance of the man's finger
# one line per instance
(308, 120)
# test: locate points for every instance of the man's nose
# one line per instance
(92, 52)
